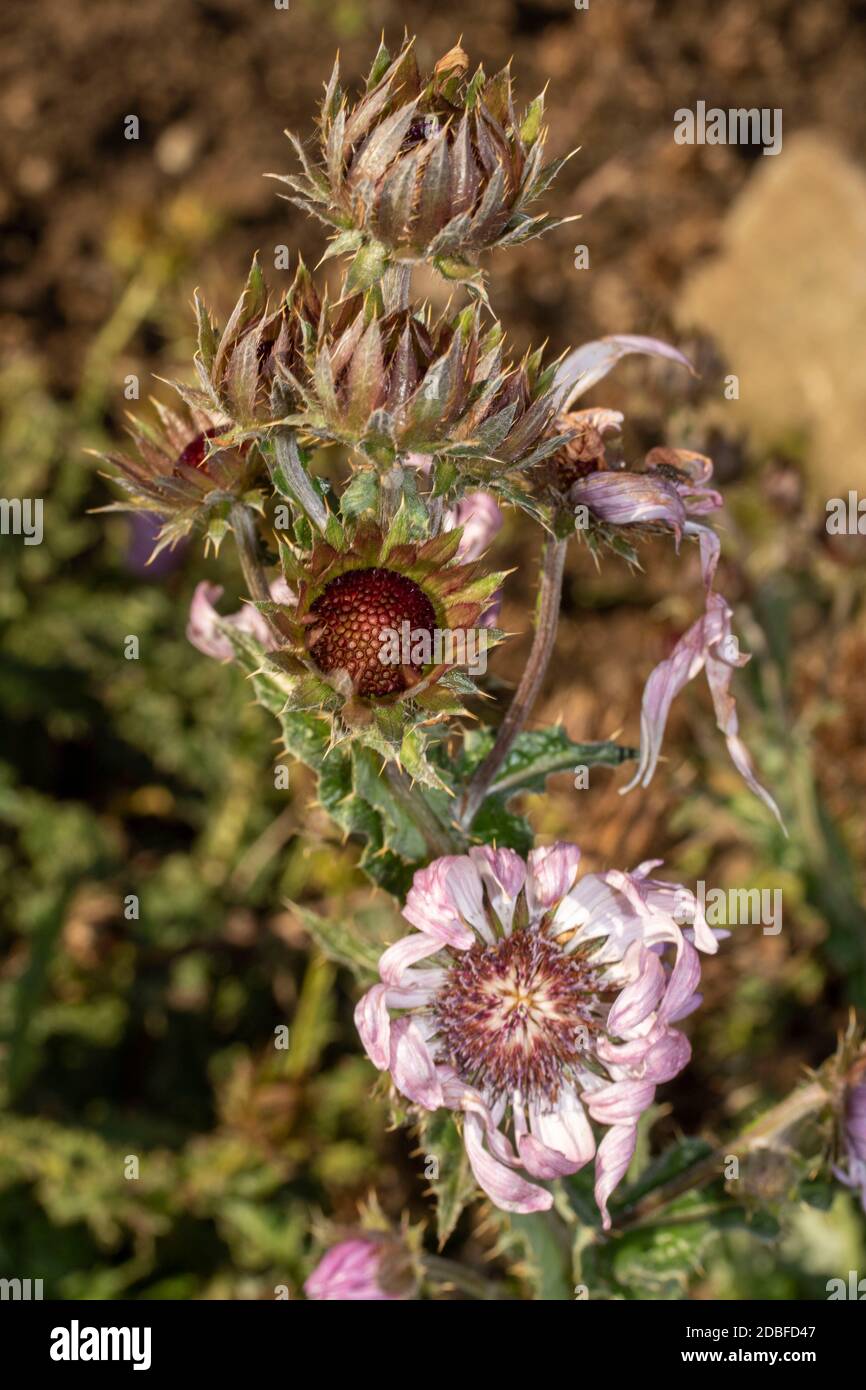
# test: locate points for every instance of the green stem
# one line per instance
(549, 596)
(246, 536)
(440, 838)
(794, 1108)
(448, 1273)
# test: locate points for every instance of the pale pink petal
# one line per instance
(459, 1095)
(481, 519)
(667, 1057)
(565, 1133)
(620, 1102)
(665, 683)
(373, 1023)
(203, 626)
(551, 871)
(586, 365)
(503, 874)
(626, 499)
(615, 1153)
(466, 892)
(349, 1271)
(638, 1000)
(395, 961)
(412, 1066)
(720, 671)
(684, 980)
(506, 1188)
(431, 908)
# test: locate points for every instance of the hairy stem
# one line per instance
(549, 595)
(440, 839)
(804, 1101)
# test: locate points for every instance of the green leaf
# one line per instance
(341, 942)
(361, 495)
(536, 754)
(545, 1259)
(661, 1261)
(368, 267)
(401, 834)
(453, 1184)
(497, 826)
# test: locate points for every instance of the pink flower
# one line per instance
(481, 519)
(367, 1267)
(202, 628)
(854, 1172)
(587, 365)
(673, 494)
(545, 1003)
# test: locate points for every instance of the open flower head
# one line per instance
(541, 1005)
(437, 167)
(379, 631)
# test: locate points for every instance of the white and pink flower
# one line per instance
(545, 1007)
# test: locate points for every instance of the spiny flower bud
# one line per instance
(426, 168)
(368, 1266)
(242, 370)
(188, 473)
(390, 384)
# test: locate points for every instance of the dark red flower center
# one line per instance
(194, 453)
(359, 625)
(514, 1015)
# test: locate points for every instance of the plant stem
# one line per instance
(246, 537)
(795, 1107)
(440, 838)
(549, 596)
(445, 1272)
(247, 542)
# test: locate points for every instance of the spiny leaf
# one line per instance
(452, 1182)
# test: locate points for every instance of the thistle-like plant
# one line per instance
(543, 1018)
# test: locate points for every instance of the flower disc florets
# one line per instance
(513, 1016)
(351, 614)
(375, 625)
(544, 1003)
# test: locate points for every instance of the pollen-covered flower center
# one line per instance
(515, 1015)
(350, 616)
